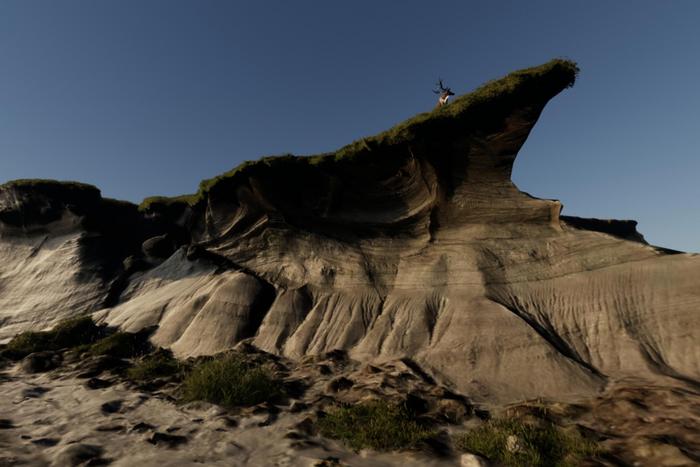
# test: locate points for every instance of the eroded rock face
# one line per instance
(414, 243)
(62, 251)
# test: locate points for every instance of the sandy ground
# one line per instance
(47, 415)
(57, 419)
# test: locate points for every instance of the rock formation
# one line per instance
(413, 243)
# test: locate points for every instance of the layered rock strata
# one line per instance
(413, 243)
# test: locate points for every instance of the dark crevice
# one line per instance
(259, 309)
(658, 363)
(418, 370)
(302, 304)
(115, 290)
(197, 252)
(370, 274)
(554, 340)
(380, 311)
(433, 218)
(431, 314)
(37, 248)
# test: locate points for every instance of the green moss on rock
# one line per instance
(35, 183)
(230, 381)
(377, 424)
(156, 365)
(164, 202)
(67, 334)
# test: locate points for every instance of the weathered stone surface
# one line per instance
(159, 247)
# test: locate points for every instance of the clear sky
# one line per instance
(147, 97)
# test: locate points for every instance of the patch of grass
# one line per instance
(556, 74)
(28, 342)
(121, 345)
(491, 98)
(378, 425)
(156, 365)
(67, 334)
(543, 445)
(230, 382)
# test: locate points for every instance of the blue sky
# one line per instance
(147, 97)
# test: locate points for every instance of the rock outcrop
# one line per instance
(413, 243)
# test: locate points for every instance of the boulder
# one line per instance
(77, 454)
(159, 247)
(38, 362)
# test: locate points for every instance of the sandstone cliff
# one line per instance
(413, 243)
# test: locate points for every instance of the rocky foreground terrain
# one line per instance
(405, 267)
(89, 411)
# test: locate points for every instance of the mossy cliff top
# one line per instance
(487, 103)
(51, 187)
(31, 205)
(536, 85)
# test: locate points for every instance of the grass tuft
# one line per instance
(378, 425)
(121, 345)
(67, 334)
(230, 382)
(543, 445)
(153, 366)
